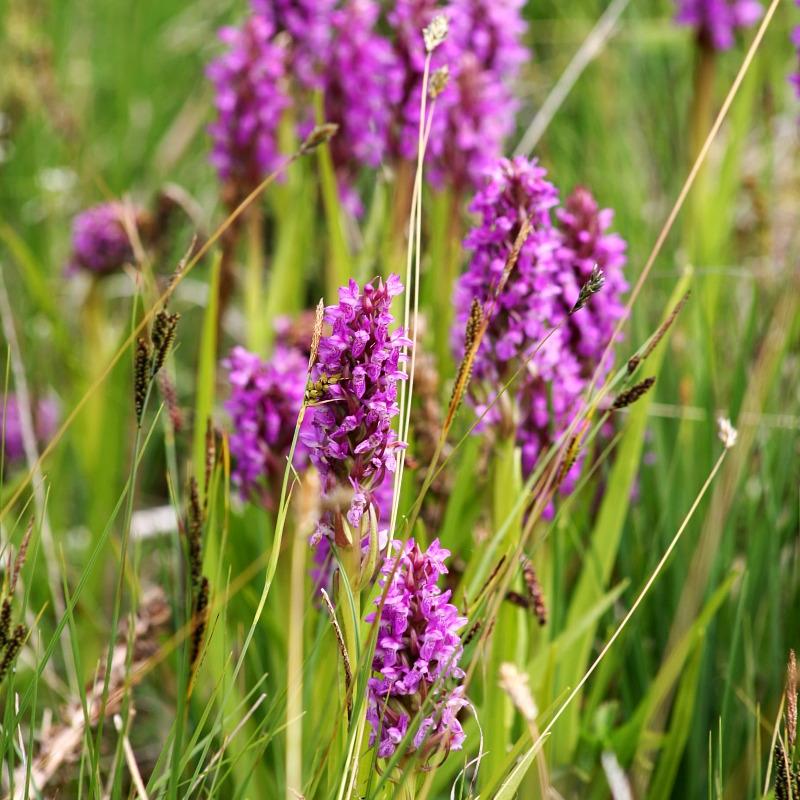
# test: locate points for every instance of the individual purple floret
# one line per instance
(309, 25)
(45, 422)
(249, 81)
(716, 21)
(100, 243)
(265, 400)
(350, 438)
(416, 655)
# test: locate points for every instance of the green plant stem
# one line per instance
(254, 280)
(294, 670)
(123, 558)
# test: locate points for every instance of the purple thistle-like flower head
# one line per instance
(513, 192)
(350, 439)
(249, 81)
(100, 243)
(45, 422)
(265, 400)
(716, 21)
(416, 655)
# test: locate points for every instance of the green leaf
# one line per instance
(602, 550)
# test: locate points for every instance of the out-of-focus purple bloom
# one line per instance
(407, 19)
(350, 437)
(361, 85)
(716, 21)
(480, 114)
(100, 243)
(249, 81)
(475, 112)
(309, 24)
(265, 400)
(416, 655)
(531, 318)
(45, 422)
(586, 242)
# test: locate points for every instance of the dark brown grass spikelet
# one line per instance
(170, 397)
(199, 621)
(791, 702)
(635, 360)
(630, 396)
(141, 377)
(535, 593)
(5, 621)
(592, 286)
(194, 532)
(12, 648)
(320, 135)
(566, 464)
(782, 773)
(163, 335)
(19, 562)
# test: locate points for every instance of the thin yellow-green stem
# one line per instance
(294, 670)
(254, 281)
(687, 186)
(413, 248)
(636, 603)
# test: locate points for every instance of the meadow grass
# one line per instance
(670, 573)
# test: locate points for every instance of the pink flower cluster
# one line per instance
(417, 655)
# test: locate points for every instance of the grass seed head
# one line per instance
(141, 377)
(592, 286)
(435, 33)
(636, 392)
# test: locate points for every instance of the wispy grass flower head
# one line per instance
(417, 655)
(350, 438)
(716, 21)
